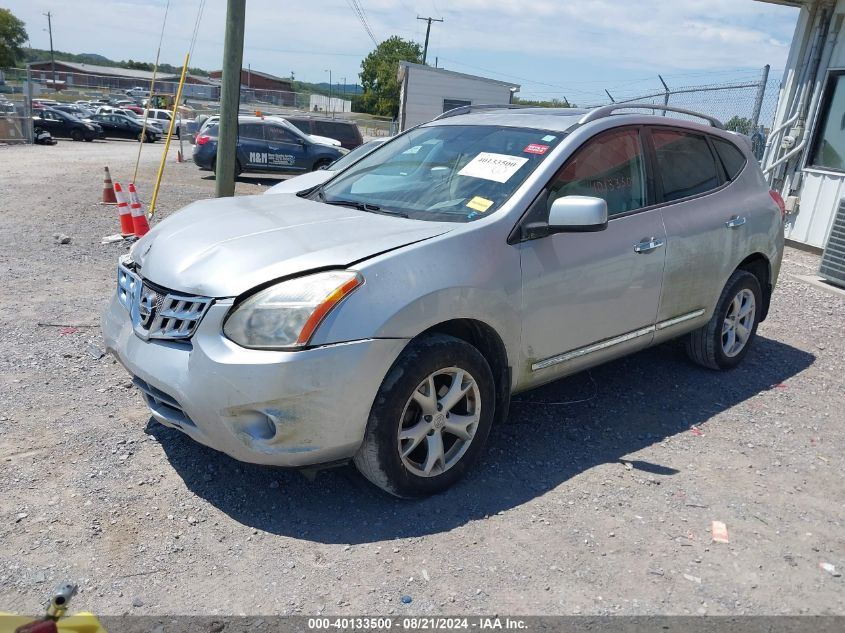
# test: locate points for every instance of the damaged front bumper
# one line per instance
(297, 408)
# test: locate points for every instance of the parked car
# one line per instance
(388, 316)
(267, 145)
(80, 112)
(162, 118)
(63, 125)
(122, 126)
(343, 130)
(318, 177)
(131, 114)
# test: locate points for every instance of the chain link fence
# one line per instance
(198, 99)
(745, 107)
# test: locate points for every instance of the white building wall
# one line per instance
(424, 90)
(819, 191)
(322, 103)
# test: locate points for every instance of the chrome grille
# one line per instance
(157, 313)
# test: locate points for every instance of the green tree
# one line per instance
(379, 75)
(739, 124)
(12, 36)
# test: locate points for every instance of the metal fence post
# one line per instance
(666, 95)
(758, 101)
(27, 125)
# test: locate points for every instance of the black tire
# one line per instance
(320, 164)
(89, 139)
(151, 138)
(705, 345)
(76, 135)
(378, 458)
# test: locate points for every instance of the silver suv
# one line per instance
(388, 315)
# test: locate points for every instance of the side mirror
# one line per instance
(578, 214)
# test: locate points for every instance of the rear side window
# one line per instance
(251, 130)
(302, 125)
(730, 155)
(685, 163)
(343, 132)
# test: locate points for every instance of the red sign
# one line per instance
(534, 148)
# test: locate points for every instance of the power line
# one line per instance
(358, 10)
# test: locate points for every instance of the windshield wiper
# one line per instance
(364, 206)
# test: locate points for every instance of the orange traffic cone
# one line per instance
(108, 189)
(139, 217)
(127, 229)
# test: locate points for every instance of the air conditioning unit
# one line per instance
(833, 259)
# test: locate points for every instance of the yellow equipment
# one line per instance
(54, 621)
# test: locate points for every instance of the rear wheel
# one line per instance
(76, 135)
(430, 419)
(725, 340)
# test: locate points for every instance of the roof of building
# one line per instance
(789, 3)
(106, 70)
(116, 71)
(443, 71)
(258, 73)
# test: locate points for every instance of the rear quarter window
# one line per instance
(731, 156)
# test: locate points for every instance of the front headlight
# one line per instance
(287, 314)
(89, 126)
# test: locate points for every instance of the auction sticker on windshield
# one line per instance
(495, 167)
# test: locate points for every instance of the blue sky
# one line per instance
(552, 48)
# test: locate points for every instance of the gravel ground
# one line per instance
(596, 498)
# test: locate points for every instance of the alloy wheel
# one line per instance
(439, 422)
(738, 323)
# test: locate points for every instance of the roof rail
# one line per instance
(481, 106)
(606, 111)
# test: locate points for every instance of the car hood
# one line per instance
(226, 246)
(301, 183)
(324, 140)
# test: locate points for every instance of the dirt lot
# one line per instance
(597, 497)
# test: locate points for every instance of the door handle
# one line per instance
(648, 245)
(735, 221)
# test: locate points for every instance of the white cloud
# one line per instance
(556, 37)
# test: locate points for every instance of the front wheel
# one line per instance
(725, 340)
(430, 419)
(76, 135)
(321, 164)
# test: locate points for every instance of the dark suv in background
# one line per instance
(346, 132)
(267, 145)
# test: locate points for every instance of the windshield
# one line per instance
(455, 173)
(354, 156)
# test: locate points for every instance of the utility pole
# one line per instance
(52, 58)
(230, 95)
(427, 31)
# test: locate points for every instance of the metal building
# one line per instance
(427, 92)
(805, 153)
